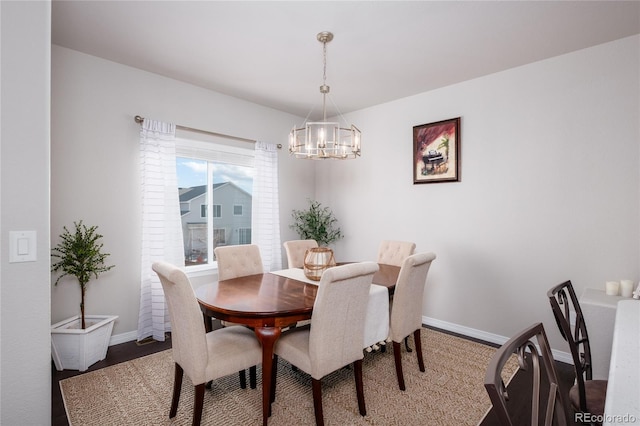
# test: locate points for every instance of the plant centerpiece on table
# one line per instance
(317, 223)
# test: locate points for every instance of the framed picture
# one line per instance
(436, 152)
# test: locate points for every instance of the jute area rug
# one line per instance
(449, 393)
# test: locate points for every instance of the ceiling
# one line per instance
(266, 52)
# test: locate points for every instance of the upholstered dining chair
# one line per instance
(203, 356)
(394, 252)
(406, 310)
(546, 398)
(239, 261)
(587, 395)
(391, 252)
(296, 250)
(336, 336)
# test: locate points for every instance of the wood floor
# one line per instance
(130, 350)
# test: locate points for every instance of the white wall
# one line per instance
(25, 344)
(549, 189)
(94, 164)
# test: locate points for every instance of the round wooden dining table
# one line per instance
(267, 303)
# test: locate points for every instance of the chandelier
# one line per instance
(323, 139)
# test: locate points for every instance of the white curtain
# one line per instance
(161, 224)
(265, 222)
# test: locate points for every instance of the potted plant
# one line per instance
(80, 341)
(317, 223)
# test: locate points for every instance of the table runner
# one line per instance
(376, 328)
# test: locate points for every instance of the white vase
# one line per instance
(73, 348)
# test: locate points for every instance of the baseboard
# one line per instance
(487, 337)
(444, 325)
(123, 338)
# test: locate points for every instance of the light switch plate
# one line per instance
(22, 246)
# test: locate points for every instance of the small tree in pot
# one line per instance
(316, 223)
(80, 255)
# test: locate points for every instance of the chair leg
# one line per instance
(397, 356)
(198, 402)
(357, 371)
(316, 386)
(406, 344)
(274, 371)
(243, 379)
(177, 385)
(418, 342)
(252, 377)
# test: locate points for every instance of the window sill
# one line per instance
(201, 270)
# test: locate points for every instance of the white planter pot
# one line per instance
(73, 348)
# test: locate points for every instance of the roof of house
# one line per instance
(188, 194)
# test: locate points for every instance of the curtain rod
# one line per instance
(138, 119)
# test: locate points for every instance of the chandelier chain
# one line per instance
(324, 73)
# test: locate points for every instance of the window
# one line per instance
(215, 180)
(244, 235)
(219, 237)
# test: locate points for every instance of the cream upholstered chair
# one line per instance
(336, 336)
(550, 405)
(394, 252)
(238, 261)
(296, 250)
(406, 310)
(203, 356)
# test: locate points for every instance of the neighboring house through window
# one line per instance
(215, 183)
(244, 235)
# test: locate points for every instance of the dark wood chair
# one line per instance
(587, 395)
(548, 403)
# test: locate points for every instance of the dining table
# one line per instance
(271, 301)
